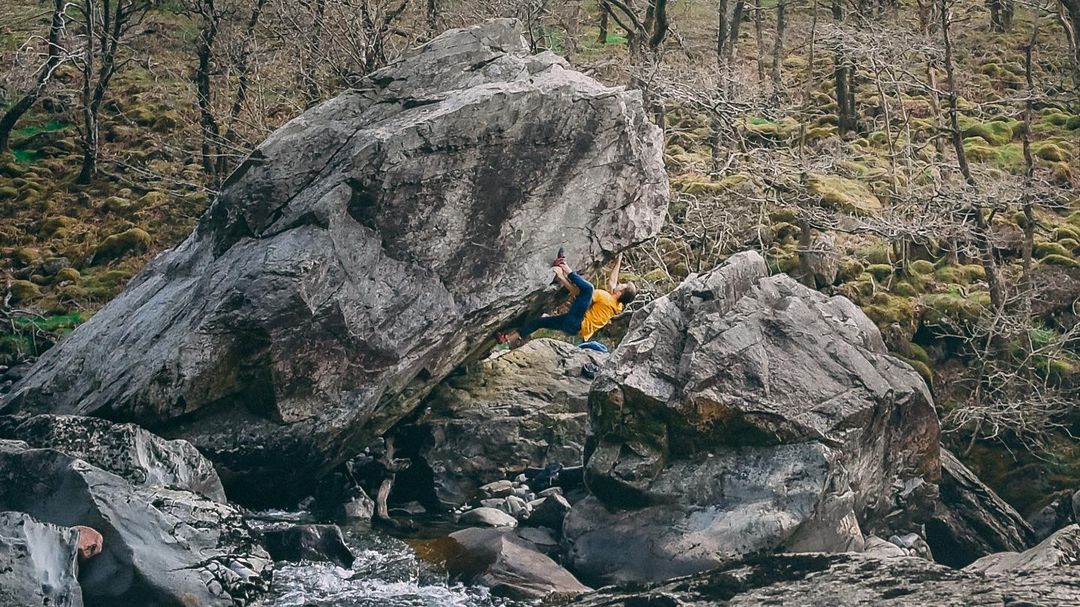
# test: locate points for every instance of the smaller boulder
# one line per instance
(1056, 514)
(488, 517)
(358, 508)
(550, 513)
(879, 548)
(501, 561)
(135, 240)
(496, 489)
(37, 563)
(309, 543)
(1058, 550)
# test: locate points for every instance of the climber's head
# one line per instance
(625, 292)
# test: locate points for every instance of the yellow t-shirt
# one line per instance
(603, 307)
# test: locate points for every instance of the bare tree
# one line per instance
(55, 55)
(105, 25)
(1001, 14)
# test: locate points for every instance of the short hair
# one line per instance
(628, 294)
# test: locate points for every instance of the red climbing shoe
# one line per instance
(560, 258)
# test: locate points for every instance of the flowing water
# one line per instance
(386, 573)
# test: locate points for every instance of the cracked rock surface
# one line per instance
(745, 413)
(362, 252)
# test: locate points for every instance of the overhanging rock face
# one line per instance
(361, 253)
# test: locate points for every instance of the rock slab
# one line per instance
(123, 449)
(848, 580)
(161, 546)
(527, 408)
(37, 563)
(970, 520)
(745, 413)
(360, 254)
(500, 560)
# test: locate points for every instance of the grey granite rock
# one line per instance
(123, 449)
(525, 408)
(37, 563)
(161, 546)
(360, 254)
(746, 413)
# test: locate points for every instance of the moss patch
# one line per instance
(843, 194)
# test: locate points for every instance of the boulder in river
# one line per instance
(500, 560)
(37, 563)
(123, 449)
(524, 409)
(309, 543)
(161, 546)
(360, 254)
(746, 413)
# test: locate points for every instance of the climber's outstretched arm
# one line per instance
(613, 280)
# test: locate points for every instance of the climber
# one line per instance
(591, 309)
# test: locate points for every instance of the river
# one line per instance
(386, 573)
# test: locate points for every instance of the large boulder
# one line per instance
(847, 580)
(309, 543)
(161, 546)
(970, 520)
(37, 563)
(360, 254)
(745, 413)
(525, 408)
(123, 449)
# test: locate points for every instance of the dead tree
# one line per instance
(844, 73)
(1001, 14)
(55, 57)
(105, 25)
(211, 13)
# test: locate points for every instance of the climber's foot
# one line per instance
(509, 338)
(560, 258)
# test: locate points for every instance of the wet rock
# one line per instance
(846, 580)
(357, 508)
(488, 517)
(970, 521)
(37, 563)
(361, 253)
(309, 543)
(123, 449)
(746, 413)
(879, 548)
(160, 546)
(1060, 549)
(501, 561)
(501, 488)
(550, 512)
(525, 408)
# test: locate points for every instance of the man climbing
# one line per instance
(591, 309)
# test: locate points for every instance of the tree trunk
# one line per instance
(1029, 172)
(602, 36)
(982, 231)
(843, 72)
(659, 24)
(7, 123)
(89, 163)
(760, 36)
(1069, 16)
(243, 68)
(778, 49)
(432, 14)
(315, 46)
(210, 130)
(1001, 14)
